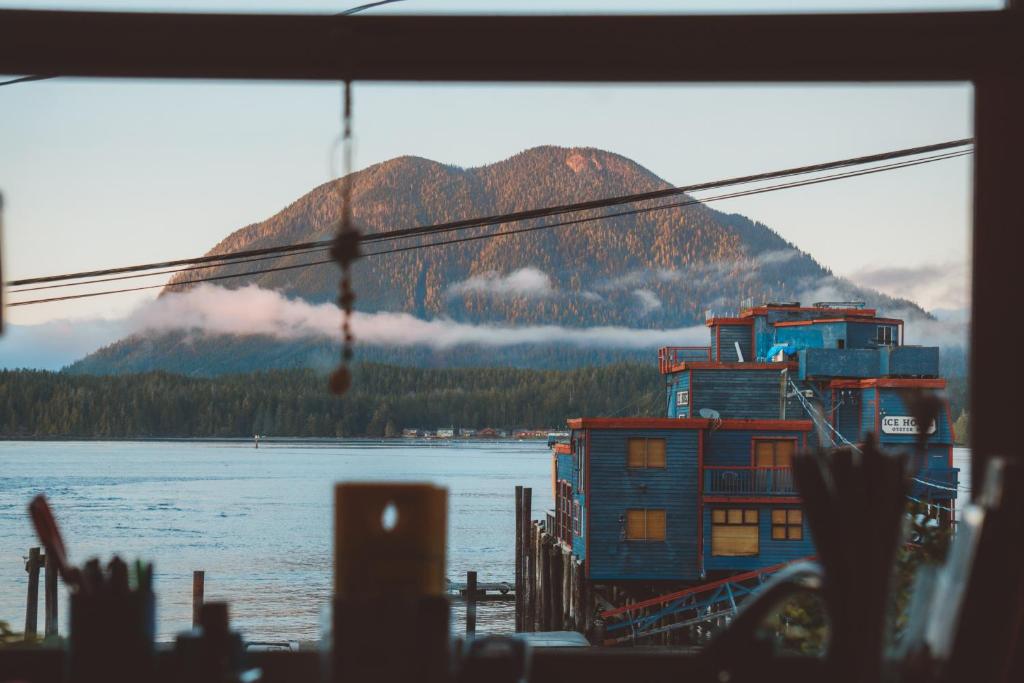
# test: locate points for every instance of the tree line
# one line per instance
(383, 400)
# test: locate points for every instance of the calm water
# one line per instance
(257, 521)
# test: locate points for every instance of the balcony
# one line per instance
(935, 483)
(749, 481)
(671, 356)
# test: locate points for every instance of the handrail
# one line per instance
(749, 480)
(743, 467)
(669, 356)
(704, 587)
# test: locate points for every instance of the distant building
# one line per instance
(446, 432)
(467, 433)
(409, 433)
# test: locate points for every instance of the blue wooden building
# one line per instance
(708, 490)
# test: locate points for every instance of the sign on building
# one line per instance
(903, 424)
(682, 398)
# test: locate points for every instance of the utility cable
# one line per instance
(517, 216)
(691, 202)
(545, 226)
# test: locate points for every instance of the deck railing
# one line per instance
(670, 356)
(745, 481)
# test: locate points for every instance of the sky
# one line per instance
(100, 173)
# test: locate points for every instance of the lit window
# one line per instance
(787, 525)
(645, 525)
(734, 532)
(774, 452)
(643, 453)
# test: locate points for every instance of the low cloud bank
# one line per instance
(252, 310)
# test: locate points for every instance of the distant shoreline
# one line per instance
(269, 439)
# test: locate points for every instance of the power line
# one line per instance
(578, 221)
(167, 272)
(513, 217)
(368, 5)
(25, 79)
(838, 176)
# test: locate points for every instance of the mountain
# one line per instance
(656, 270)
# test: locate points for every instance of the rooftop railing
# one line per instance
(671, 356)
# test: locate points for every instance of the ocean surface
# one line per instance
(259, 522)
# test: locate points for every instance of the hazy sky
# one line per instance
(106, 173)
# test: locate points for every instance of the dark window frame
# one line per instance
(792, 48)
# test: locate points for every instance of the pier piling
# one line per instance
(470, 604)
(32, 604)
(50, 596)
(519, 559)
(528, 564)
(198, 589)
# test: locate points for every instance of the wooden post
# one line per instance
(582, 604)
(542, 570)
(527, 559)
(198, 588)
(519, 559)
(543, 574)
(555, 579)
(470, 604)
(566, 567)
(32, 604)
(50, 597)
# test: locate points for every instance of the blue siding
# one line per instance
(910, 361)
(863, 335)
(764, 336)
(771, 552)
(802, 337)
(814, 336)
(734, 448)
(566, 468)
(677, 382)
(614, 489)
(729, 336)
(867, 411)
(738, 393)
(853, 363)
(937, 471)
(847, 413)
(892, 404)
